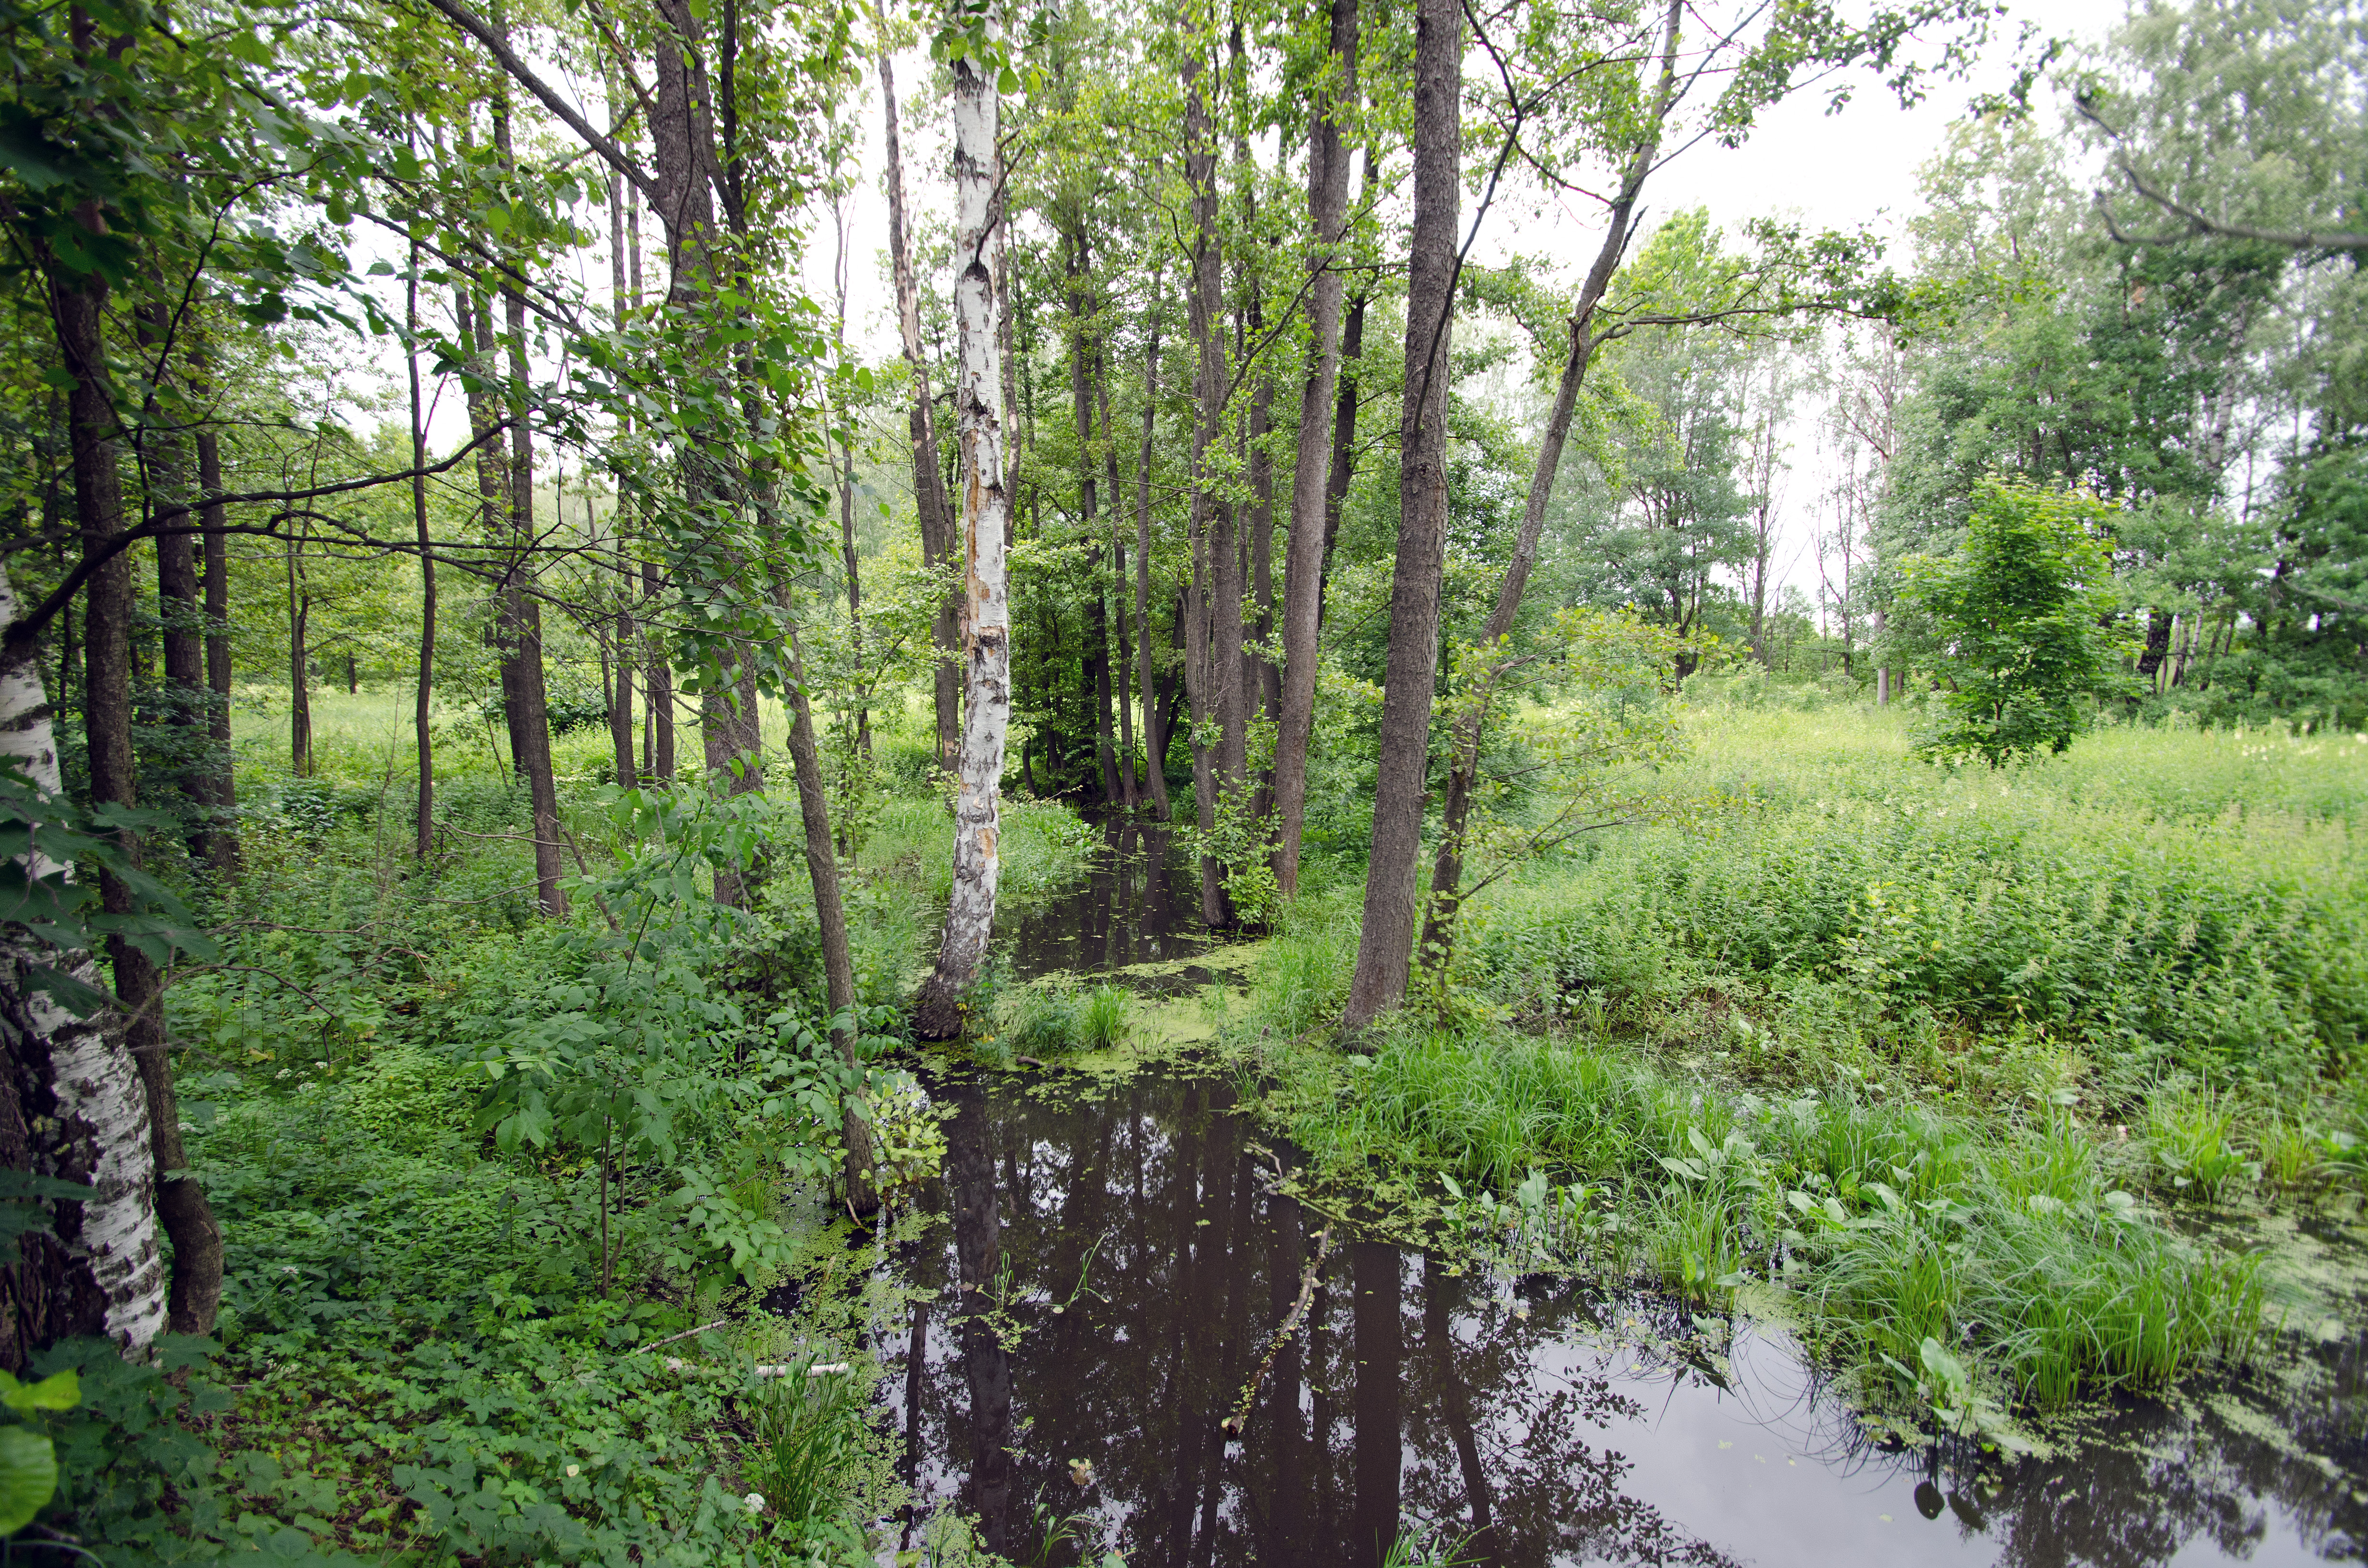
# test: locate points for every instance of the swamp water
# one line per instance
(1112, 1264)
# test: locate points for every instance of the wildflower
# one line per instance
(756, 1502)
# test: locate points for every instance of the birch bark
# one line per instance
(979, 413)
(72, 1106)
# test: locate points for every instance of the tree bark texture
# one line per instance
(72, 1107)
(1302, 576)
(1385, 944)
(979, 311)
(78, 315)
(1214, 640)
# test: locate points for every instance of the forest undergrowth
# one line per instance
(529, 1240)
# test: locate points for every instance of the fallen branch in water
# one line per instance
(1240, 1417)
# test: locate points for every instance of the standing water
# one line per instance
(1092, 1315)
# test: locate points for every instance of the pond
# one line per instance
(1101, 1296)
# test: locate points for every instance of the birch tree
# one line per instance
(979, 308)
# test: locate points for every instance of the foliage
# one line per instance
(2020, 623)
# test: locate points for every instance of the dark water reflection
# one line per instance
(1138, 904)
(1520, 1413)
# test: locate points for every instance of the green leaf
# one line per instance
(76, 997)
(59, 1390)
(28, 1476)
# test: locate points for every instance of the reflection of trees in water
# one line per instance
(2152, 1481)
(1408, 1394)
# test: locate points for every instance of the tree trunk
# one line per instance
(221, 784)
(179, 613)
(1214, 634)
(1385, 944)
(72, 1108)
(1130, 796)
(1344, 411)
(1303, 579)
(1097, 652)
(1154, 734)
(299, 659)
(1446, 870)
(180, 1205)
(928, 484)
(979, 309)
(519, 613)
(424, 812)
(830, 917)
(659, 683)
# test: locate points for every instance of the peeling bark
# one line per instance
(979, 311)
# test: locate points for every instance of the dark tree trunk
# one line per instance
(220, 791)
(78, 313)
(1463, 765)
(1095, 662)
(300, 670)
(659, 683)
(830, 917)
(1130, 794)
(1214, 646)
(424, 810)
(1302, 582)
(1385, 944)
(179, 610)
(1154, 730)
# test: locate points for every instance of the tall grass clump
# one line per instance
(810, 1425)
(1892, 1222)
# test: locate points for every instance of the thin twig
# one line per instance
(1240, 1417)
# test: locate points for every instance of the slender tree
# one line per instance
(980, 313)
(1385, 944)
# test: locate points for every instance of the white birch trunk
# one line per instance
(101, 1103)
(986, 506)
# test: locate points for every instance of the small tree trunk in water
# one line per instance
(830, 917)
(1096, 663)
(979, 311)
(1129, 794)
(1155, 733)
(1214, 634)
(180, 1204)
(1302, 580)
(72, 1107)
(1385, 944)
(424, 812)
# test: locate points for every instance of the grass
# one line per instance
(1935, 1055)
